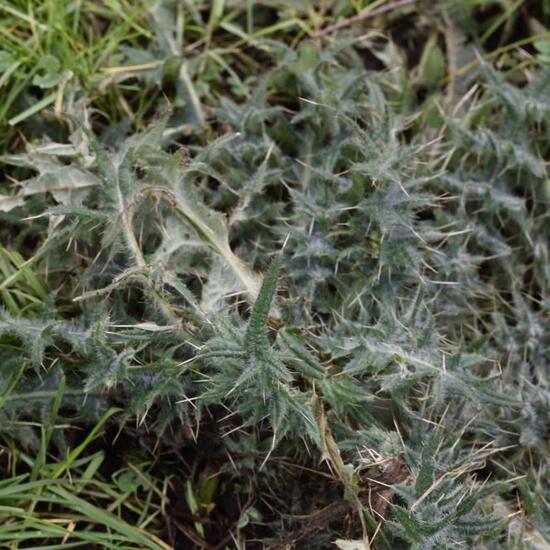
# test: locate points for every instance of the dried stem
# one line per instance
(363, 16)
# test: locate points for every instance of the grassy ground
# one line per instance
(274, 274)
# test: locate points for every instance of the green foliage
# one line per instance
(442, 505)
(27, 502)
(249, 371)
(403, 317)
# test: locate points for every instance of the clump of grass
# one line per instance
(69, 499)
(53, 50)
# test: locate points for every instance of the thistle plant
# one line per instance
(319, 289)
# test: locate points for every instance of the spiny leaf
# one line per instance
(256, 340)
